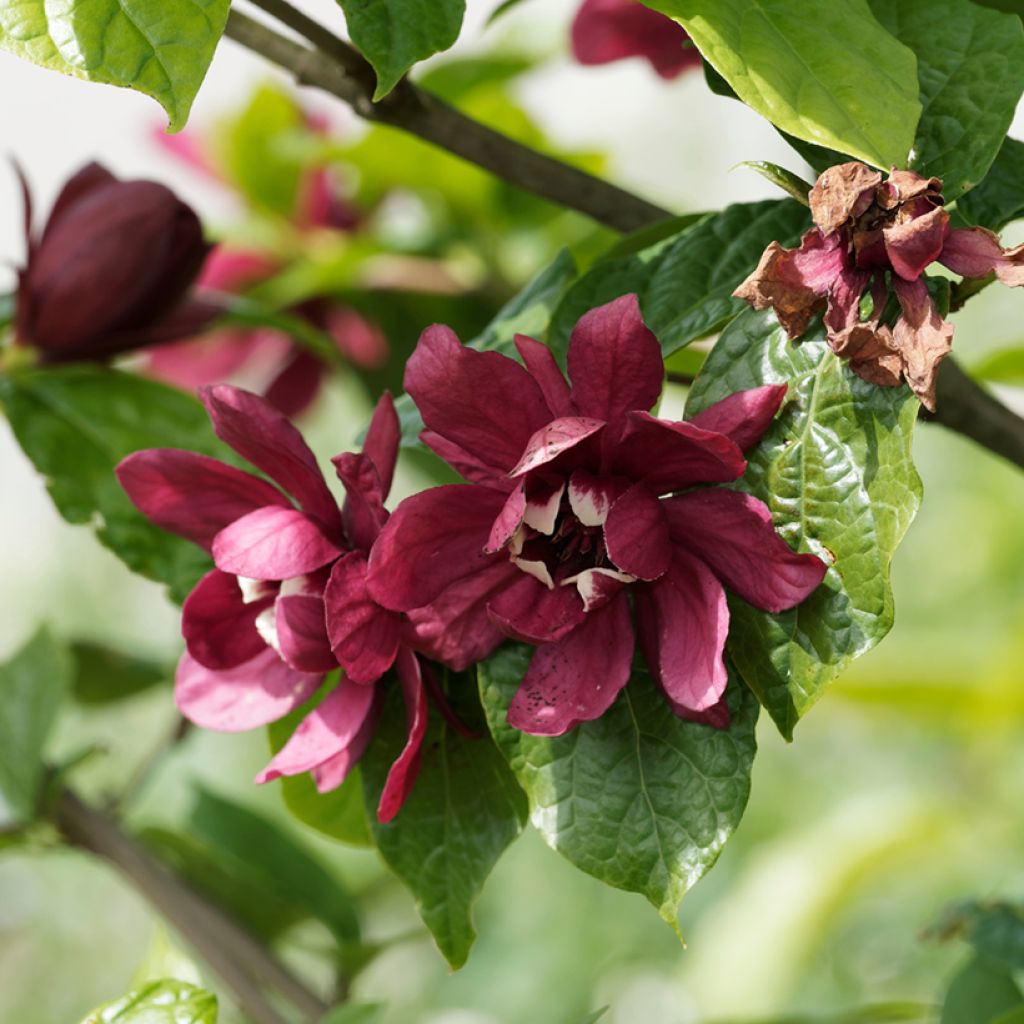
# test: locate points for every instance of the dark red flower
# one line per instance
(872, 237)
(258, 643)
(111, 270)
(580, 501)
(609, 30)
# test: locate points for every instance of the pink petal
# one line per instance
(668, 456)
(743, 416)
(540, 361)
(402, 775)
(484, 402)
(326, 731)
(552, 440)
(432, 540)
(976, 252)
(333, 772)
(210, 358)
(576, 679)
(364, 636)
(469, 467)
(914, 244)
(259, 433)
(636, 534)
(262, 690)
(192, 495)
(228, 269)
(527, 610)
(455, 628)
(597, 587)
(509, 519)
(844, 297)
(615, 362)
(683, 620)
(922, 338)
(733, 534)
(361, 342)
(363, 512)
(273, 544)
(382, 441)
(302, 633)
(717, 716)
(218, 626)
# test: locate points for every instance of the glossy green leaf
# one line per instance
(980, 993)
(790, 183)
(822, 71)
(395, 34)
(836, 471)
(102, 675)
(157, 47)
(161, 1002)
(463, 812)
(1004, 366)
(684, 282)
(76, 423)
(970, 65)
(32, 685)
(999, 199)
(640, 799)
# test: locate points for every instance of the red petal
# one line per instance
(469, 467)
(636, 534)
(916, 243)
(218, 626)
(302, 633)
(382, 441)
(403, 772)
(540, 361)
(528, 610)
(509, 519)
(363, 512)
(975, 252)
(552, 440)
(743, 416)
(297, 383)
(273, 544)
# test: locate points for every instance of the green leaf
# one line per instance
(355, 1013)
(999, 199)
(879, 1013)
(980, 993)
(1005, 366)
(836, 471)
(970, 65)
(76, 423)
(162, 1002)
(503, 8)
(161, 49)
(790, 183)
(462, 813)
(395, 34)
(32, 685)
(994, 928)
(102, 675)
(822, 71)
(6, 309)
(640, 799)
(684, 282)
(1013, 1017)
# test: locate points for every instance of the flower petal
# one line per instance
(363, 635)
(363, 512)
(509, 519)
(552, 440)
(842, 192)
(382, 441)
(540, 361)
(527, 610)
(543, 501)
(192, 495)
(922, 338)
(260, 691)
(743, 416)
(682, 621)
(591, 496)
(576, 679)
(273, 544)
(915, 243)
(326, 731)
(297, 383)
(261, 434)
(432, 540)
(484, 402)
(335, 770)
(597, 587)
(668, 456)
(733, 534)
(976, 252)
(219, 627)
(402, 775)
(302, 633)
(469, 467)
(615, 361)
(636, 534)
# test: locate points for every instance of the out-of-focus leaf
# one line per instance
(994, 929)
(639, 798)
(161, 1002)
(1013, 1017)
(32, 686)
(980, 993)
(1006, 366)
(158, 48)
(165, 961)
(463, 812)
(395, 34)
(355, 1013)
(102, 675)
(593, 1018)
(684, 282)
(790, 183)
(880, 1013)
(6, 309)
(824, 72)
(454, 79)
(836, 471)
(76, 423)
(999, 198)
(970, 65)
(502, 8)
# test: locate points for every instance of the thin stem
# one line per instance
(244, 965)
(146, 769)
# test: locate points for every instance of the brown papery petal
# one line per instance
(871, 353)
(922, 337)
(842, 192)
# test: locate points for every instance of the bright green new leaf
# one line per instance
(836, 471)
(640, 799)
(980, 993)
(159, 47)
(161, 1002)
(790, 183)
(32, 685)
(970, 64)
(395, 34)
(102, 675)
(463, 812)
(76, 423)
(999, 199)
(822, 71)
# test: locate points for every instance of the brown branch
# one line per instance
(334, 66)
(243, 964)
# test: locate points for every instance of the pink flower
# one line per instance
(258, 643)
(609, 30)
(872, 237)
(581, 504)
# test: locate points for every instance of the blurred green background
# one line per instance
(902, 791)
